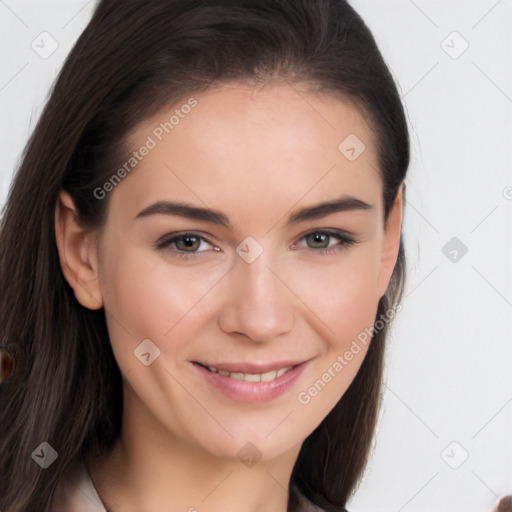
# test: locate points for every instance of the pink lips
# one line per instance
(243, 391)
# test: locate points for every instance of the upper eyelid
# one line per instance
(329, 231)
(344, 238)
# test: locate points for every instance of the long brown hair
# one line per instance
(134, 58)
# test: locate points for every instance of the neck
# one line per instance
(150, 469)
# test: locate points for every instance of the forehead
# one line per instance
(241, 146)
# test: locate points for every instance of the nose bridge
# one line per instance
(259, 304)
(259, 288)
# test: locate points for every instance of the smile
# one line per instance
(252, 377)
(256, 383)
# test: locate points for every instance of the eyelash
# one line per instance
(165, 242)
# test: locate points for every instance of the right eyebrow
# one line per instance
(185, 210)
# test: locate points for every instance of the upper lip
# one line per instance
(245, 367)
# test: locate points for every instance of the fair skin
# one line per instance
(258, 156)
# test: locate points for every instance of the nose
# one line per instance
(257, 304)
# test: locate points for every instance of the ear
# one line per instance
(391, 240)
(77, 253)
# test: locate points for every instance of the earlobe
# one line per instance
(391, 242)
(77, 254)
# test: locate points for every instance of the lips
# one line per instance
(248, 382)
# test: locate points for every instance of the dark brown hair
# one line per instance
(134, 58)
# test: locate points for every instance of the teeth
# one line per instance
(282, 371)
(252, 377)
(249, 377)
(266, 377)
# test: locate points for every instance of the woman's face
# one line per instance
(243, 267)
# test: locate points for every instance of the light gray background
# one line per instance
(444, 440)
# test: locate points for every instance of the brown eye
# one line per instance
(318, 239)
(185, 245)
(190, 243)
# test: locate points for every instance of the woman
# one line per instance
(201, 255)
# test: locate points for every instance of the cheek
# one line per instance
(345, 299)
(343, 295)
(144, 298)
(152, 298)
(355, 301)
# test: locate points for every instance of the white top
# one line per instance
(76, 492)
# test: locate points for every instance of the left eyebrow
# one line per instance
(342, 204)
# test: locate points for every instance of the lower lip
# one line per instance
(243, 391)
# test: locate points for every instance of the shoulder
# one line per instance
(75, 491)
